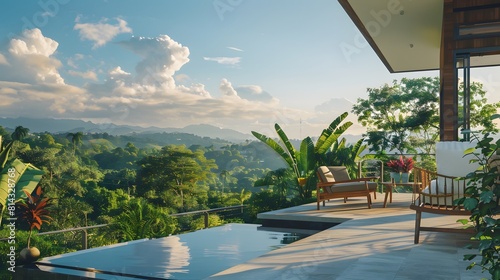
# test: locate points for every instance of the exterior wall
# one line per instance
(458, 13)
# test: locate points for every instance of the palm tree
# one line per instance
(20, 133)
(223, 175)
(76, 139)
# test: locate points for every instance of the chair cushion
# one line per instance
(351, 186)
(443, 188)
(339, 173)
(325, 175)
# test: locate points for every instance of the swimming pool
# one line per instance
(194, 255)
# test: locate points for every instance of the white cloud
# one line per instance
(226, 88)
(336, 105)
(235, 49)
(117, 72)
(88, 75)
(3, 60)
(72, 61)
(47, 100)
(102, 32)
(32, 42)
(182, 78)
(224, 60)
(161, 58)
(254, 93)
(30, 59)
(30, 82)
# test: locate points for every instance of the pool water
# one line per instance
(194, 255)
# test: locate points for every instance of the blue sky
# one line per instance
(239, 64)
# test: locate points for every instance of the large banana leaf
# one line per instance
(286, 142)
(26, 177)
(276, 147)
(4, 155)
(357, 149)
(306, 161)
(330, 134)
(329, 138)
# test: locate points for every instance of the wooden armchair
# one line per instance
(335, 182)
(435, 193)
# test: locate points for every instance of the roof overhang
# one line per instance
(405, 34)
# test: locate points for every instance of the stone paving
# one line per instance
(370, 244)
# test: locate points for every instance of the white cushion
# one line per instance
(450, 158)
(438, 188)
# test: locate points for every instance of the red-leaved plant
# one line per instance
(401, 165)
(33, 210)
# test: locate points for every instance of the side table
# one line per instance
(390, 185)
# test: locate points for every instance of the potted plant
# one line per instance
(33, 212)
(401, 168)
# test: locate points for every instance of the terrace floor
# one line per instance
(371, 244)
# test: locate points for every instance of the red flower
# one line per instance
(401, 165)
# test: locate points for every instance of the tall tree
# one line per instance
(76, 139)
(177, 170)
(20, 133)
(395, 115)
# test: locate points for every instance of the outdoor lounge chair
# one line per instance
(434, 192)
(334, 182)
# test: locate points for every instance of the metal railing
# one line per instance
(205, 213)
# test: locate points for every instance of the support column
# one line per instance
(448, 109)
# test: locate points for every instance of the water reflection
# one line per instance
(194, 255)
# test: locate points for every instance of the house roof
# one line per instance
(405, 34)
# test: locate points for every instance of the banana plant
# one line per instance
(330, 135)
(299, 161)
(303, 162)
(342, 154)
(16, 178)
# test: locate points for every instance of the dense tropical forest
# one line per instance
(100, 179)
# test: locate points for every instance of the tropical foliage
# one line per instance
(401, 165)
(33, 211)
(141, 219)
(482, 198)
(404, 117)
(329, 149)
(16, 178)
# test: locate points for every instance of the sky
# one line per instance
(236, 64)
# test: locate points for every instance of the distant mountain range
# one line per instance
(57, 126)
(66, 125)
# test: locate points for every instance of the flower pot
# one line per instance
(302, 181)
(396, 176)
(29, 255)
(405, 177)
